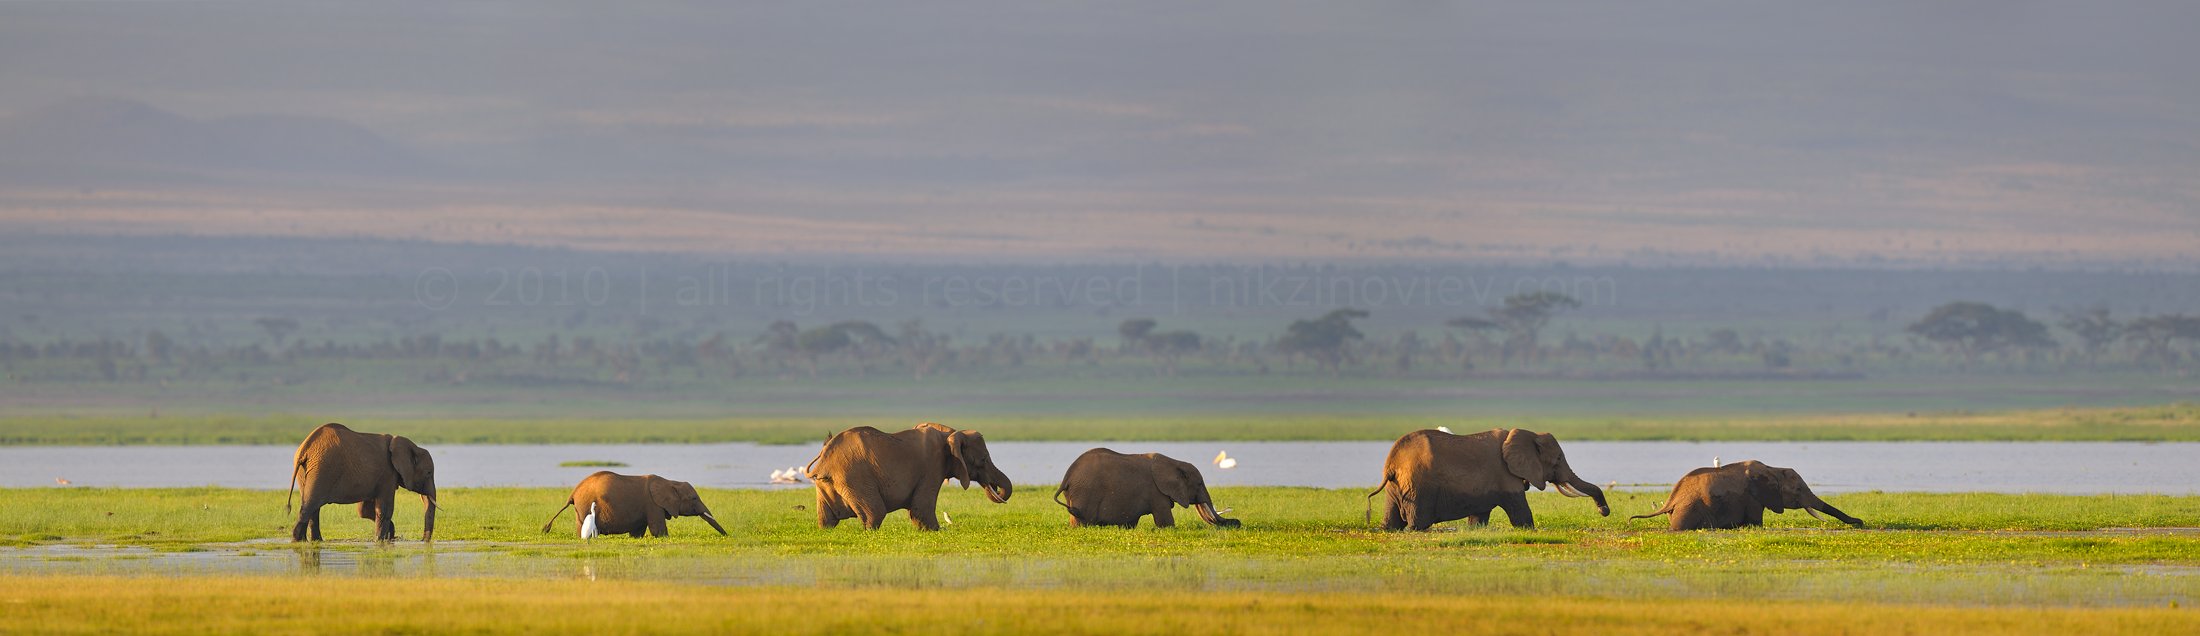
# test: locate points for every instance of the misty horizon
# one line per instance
(1984, 135)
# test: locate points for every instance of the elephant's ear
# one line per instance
(1174, 480)
(1765, 488)
(1523, 460)
(956, 463)
(663, 494)
(406, 459)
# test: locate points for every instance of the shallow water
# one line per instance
(2042, 467)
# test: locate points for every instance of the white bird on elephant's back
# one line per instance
(588, 524)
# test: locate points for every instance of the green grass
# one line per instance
(2175, 422)
(1281, 522)
(1304, 554)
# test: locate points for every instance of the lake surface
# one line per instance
(2042, 467)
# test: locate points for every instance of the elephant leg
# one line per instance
(1418, 518)
(871, 510)
(1163, 517)
(924, 519)
(637, 533)
(1479, 516)
(385, 526)
(829, 513)
(315, 524)
(366, 510)
(1689, 518)
(1516, 509)
(306, 515)
(924, 511)
(1393, 515)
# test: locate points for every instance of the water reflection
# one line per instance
(1986, 583)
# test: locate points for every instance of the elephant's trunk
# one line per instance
(1574, 486)
(427, 517)
(996, 484)
(1817, 505)
(1207, 513)
(713, 521)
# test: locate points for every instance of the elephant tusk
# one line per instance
(1814, 513)
(1568, 490)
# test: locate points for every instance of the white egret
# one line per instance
(1445, 429)
(946, 520)
(588, 524)
(1714, 461)
(778, 477)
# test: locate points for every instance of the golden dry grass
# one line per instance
(89, 605)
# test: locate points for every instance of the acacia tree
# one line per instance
(1521, 319)
(921, 350)
(781, 341)
(1164, 347)
(1973, 329)
(2153, 334)
(1324, 339)
(1134, 332)
(2094, 328)
(277, 328)
(1168, 346)
(860, 338)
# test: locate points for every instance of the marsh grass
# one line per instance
(1305, 562)
(1280, 522)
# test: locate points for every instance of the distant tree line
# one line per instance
(1512, 339)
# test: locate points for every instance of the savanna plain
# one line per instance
(196, 560)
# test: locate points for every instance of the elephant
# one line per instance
(865, 473)
(1738, 494)
(1107, 488)
(337, 465)
(1434, 476)
(630, 504)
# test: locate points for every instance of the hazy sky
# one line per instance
(1918, 132)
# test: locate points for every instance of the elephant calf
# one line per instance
(1107, 488)
(630, 505)
(1738, 494)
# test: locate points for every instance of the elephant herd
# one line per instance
(1431, 476)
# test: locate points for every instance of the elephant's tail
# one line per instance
(809, 468)
(1074, 513)
(1369, 514)
(298, 461)
(1662, 510)
(293, 491)
(554, 515)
